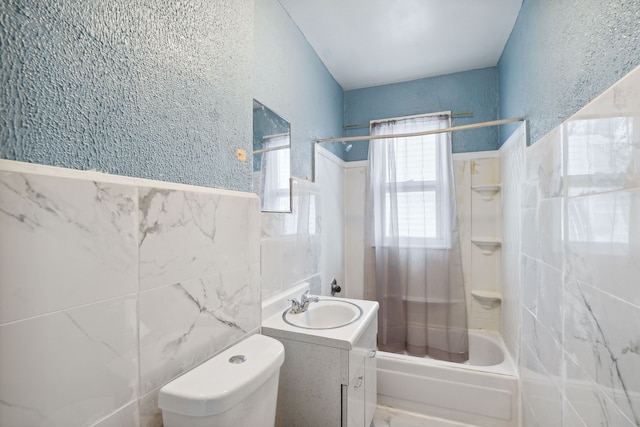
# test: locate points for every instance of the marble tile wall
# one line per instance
(580, 267)
(290, 243)
(112, 286)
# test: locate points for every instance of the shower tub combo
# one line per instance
(482, 391)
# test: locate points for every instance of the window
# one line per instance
(416, 186)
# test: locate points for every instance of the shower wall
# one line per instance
(330, 177)
(343, 253)
(512, 167)
(479, 221)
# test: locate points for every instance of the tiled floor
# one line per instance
(390, 417)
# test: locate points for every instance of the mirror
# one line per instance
(271, 159)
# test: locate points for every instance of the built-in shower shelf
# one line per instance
(487, 191)
(487, 299)
(487, 245)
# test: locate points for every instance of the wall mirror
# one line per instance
(271, 159)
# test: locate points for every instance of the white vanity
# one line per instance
(329, 374)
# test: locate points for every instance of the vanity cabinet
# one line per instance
(362, 390)
(326, 384)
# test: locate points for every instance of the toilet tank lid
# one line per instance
(219, 384)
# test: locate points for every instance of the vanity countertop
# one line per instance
(343, 337)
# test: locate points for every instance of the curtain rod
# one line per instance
(428, 132)
(366, 125)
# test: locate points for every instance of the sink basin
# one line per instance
(324, 314)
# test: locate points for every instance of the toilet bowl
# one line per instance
(238, 387)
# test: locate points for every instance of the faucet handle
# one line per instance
(305, 298)
(334, 287)
(295, 305)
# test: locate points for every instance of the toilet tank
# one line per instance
(236, 387)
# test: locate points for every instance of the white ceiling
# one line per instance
(368, 43)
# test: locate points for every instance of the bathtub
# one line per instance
(483, 391)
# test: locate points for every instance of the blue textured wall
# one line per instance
(157, 89)
(290, 79)
(561, 55)
(475, 91)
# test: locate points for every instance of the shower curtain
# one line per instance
(412, 251)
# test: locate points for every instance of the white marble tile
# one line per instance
(602, 336)
(125, 417)
(550, 305)
(272, 224)
(529, 234)
(318, 286)
(542, 232)
(550, 215)
(294, 252)
(543, 347)
(529, 196)
(529, 283)
(603, 242)
(545, 165)
(540, 395)
(571, 418)
(72, 367)
(306, 209)
(603, 142)
(187, 235)
(603, 154)
(65, 242)
(272, 266)
(184, 324)
(590, 402)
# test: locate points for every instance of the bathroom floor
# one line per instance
(391, 417)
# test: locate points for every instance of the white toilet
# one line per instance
(238, 387)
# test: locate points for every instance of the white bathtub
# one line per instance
(483, 391)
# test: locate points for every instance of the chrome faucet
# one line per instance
(303, 305)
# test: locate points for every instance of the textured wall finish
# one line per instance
(156, 89)
(475, 91)
(290, 79)
(561, 55)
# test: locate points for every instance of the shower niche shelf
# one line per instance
(487, 245)
(487, 192)
(487, 299)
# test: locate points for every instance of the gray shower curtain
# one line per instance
(413, 265)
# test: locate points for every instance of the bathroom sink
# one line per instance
(324, 314)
